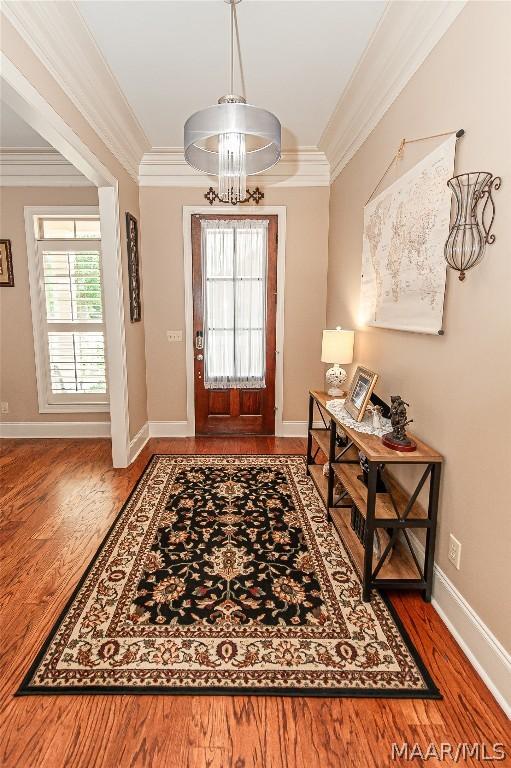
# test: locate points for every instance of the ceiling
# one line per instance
(171, 58)
(15, 133)
(136, 70)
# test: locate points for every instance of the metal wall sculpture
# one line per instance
(471, 231)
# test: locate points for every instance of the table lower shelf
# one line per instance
(398, 567)
(320, 481)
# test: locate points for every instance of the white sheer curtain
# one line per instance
(234, 266)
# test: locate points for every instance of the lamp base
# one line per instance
(335, 376)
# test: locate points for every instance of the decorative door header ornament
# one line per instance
(253, 196)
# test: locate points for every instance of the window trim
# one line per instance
(38, 316)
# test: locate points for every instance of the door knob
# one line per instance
(200, 357)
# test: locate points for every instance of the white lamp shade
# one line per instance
(337, 346)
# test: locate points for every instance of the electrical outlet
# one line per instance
(454, 553)
(174, 335)
(4, 407)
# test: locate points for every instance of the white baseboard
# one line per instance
(486, 654)
(37, 429)
(139, 441)
(182, 429)
(169, 429)
(296, 428)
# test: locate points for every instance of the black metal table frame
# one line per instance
(401, 522)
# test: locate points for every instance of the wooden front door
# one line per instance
(234, 311)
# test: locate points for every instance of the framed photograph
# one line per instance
(361, 388)
(133, 269)
(6, 273)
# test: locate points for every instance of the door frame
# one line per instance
(264, 210)
(33, 108)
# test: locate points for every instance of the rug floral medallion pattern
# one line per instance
(221, 573)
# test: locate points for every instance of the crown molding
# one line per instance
(37, 167)
(167, 167)
(405, 35)
(60, 38)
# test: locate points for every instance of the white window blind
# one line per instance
(234, 269)
(72, 289)
(73, 319)
(77, 362)
(71, 334)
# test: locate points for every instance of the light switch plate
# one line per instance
(4, 407)
(454, 553)
(174, 336)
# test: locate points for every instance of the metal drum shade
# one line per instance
(232, 118)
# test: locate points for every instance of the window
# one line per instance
(68, 229)
(67, 311)
(234, 265)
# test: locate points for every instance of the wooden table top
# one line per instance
(372, 446)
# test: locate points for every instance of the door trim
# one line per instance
(268, 210)
(33, 107)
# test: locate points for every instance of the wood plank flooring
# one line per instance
(58, 499)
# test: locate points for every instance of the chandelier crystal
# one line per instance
(228, 124)
(232, 167)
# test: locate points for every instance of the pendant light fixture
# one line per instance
(232, 139)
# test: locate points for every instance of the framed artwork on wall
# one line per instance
(133, 269)
(360, 392)
(6, 272)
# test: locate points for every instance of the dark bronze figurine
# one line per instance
(398, 440)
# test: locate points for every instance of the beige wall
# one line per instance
(18, 384)
(445, 378)
(305, 294)
(29, 65)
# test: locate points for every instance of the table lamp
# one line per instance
(337, 348)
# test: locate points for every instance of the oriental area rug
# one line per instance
(221, 575)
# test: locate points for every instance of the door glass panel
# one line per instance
(219, 356)
(251, 251)
(219, 251)
(250, 357)
(250, 295)
(220, 304)
(234, 267)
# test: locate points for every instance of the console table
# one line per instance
(393, 511)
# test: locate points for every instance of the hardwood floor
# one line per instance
(58, 498)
